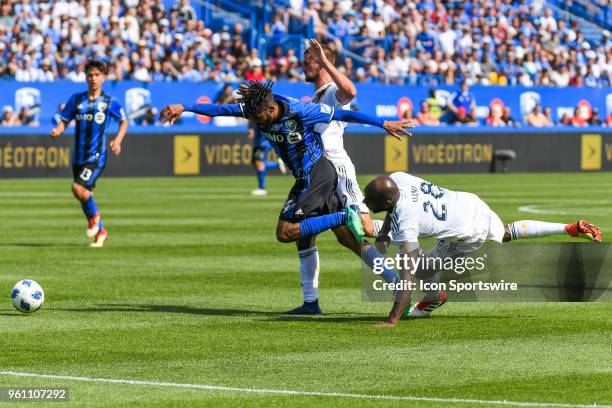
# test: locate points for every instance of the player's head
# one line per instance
(381, 194)
(312, 69)
(258, 102)
(95, 73)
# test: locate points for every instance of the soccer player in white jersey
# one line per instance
(460, 221)
(335, 89)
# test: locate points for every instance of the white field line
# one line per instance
(300, 393)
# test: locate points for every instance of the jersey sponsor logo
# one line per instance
(99, 118)
(292, 137)
(84, 116)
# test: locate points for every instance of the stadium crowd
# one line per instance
(424, 42)
(419, 42)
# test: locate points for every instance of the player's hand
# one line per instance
(171, 113)
(382, 243)
(397, 128)
(55, 132)
(318, 54)
(115, 146)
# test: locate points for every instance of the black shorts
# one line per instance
(86, 174)
(313, 196)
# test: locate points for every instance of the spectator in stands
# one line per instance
(579, 119)
(608, 120)
(566, 120)
(9, 117)
(463, 99)
(507, 117)
(537, 118)
(225, 96)
(496, 111)
(595, 119)
(26, 118)
(426, 117)
(434, 106)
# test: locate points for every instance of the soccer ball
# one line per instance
(27, 296)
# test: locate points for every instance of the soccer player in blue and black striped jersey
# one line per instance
(289, 124)
(91, 111)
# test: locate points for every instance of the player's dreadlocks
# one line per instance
(255, 96)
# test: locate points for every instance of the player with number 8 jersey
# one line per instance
(91, 111)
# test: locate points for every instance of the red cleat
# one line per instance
(101, 236)
(94, 226)
(584, 229)
(426, 306)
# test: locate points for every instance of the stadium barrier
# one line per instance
(230, 152)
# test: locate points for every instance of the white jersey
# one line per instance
(426, 210)
(332, 133)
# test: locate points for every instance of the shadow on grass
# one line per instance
(334, 318)
(39, 245)
(169, 309)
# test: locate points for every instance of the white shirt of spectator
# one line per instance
(332, 133)
(375, 28)
(447, 41)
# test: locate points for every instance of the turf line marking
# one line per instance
(301, 393)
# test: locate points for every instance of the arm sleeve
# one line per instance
(313, 113)
(357, 117)
(67, 114)
(211, 109)
(116, 111)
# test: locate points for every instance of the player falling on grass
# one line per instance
(261, 148)
(460, 221)
(335, 89)
(289, 124)
(91, 111)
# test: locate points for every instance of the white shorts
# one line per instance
(348, 188)
(487, 226)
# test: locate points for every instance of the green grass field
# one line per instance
(188, 290)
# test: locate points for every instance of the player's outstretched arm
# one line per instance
(171, 113)
(396, 128)
(346, 89)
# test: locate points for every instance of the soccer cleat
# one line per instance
(425, 306)
(281, 166)
(584, 229)
(353, 222)
(308, 308)
(406, 311)
(93, 227)
(259, 192)
(101, 236)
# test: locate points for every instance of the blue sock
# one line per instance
(271, 165)
(316, 225)
(89, 207)
(101, 225)
(369, 255)
(261, 179)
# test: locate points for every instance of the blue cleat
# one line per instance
(308, 308)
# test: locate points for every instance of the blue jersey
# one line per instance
(293, 137)
(91, 120)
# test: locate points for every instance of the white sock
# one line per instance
(309, 270)
(532, 229)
